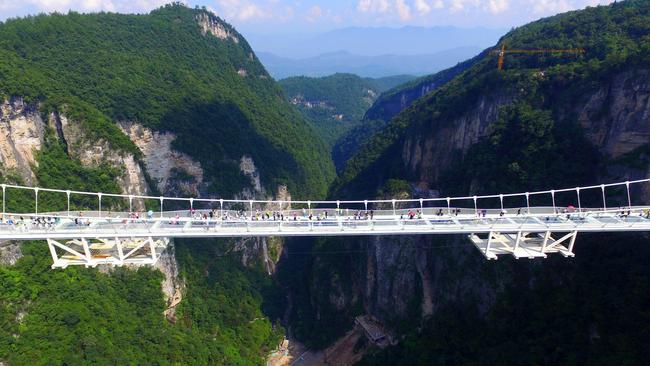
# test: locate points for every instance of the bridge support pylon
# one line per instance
(524, 244)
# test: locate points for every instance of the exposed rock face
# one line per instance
(10, 253)
(92, 154)
(615, 117)
(172, 286)
(429, 154)
(212, 25)
(248, 168)
(21, 136)
(163, 164)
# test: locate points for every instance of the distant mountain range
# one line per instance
(375, 41)
(364, 66)
(371, 52)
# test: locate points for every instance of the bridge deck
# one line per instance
(521, 226)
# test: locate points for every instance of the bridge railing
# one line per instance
(558, 201)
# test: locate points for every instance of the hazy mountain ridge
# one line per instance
(364, 66)
(375, 41)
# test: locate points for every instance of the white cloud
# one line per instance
(551, 6)
(251, 11)
(314, 13)
(497, 6)
(438, 4)
(403, 10)
(422, 6)
(373, 6)
(243, 10)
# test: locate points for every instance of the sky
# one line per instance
(314, 16)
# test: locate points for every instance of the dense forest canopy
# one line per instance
(335, 105)
(160, 70)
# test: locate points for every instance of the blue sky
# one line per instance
(312, 16)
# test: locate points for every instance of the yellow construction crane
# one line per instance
(502, 52)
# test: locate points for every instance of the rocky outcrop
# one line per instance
(210, 24)
(10, 253)
(94, 153)
(615, 117)
(175, 173)
(428, 154)
(248, 168)
(173, 286)
(21, 135)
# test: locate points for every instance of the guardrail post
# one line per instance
(475, 206)
(338, 208)
(449, 206)
(161, 206)
(191, 203)
(4, 193)
(421, 206)
(579, 203)
(365, 203)
(67, 193)
(394, 211)
(251, 206)
(501, 199)
(221, 208)
(130, 203)
(553, 199)
(602, 188)
(36, 195)
(99, 196)
(527, 203)
(629, 199)
(309, 207)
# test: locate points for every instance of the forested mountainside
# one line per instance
(335, 104)
(387, 106)
(173, 102)
(176, 70)
(542, 122)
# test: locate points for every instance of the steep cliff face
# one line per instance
(21, 131)
(173, 172)
(428, 153)
(615, 117)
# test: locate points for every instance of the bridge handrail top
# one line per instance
(335, 202)
(584, 212)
